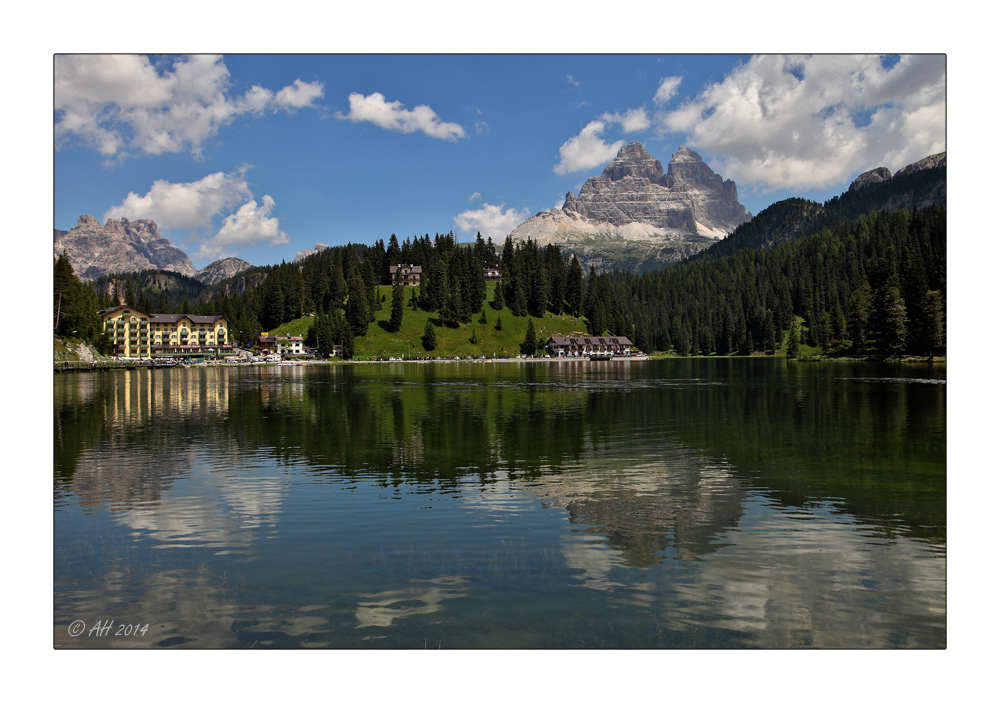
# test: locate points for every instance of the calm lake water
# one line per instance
(687, 503)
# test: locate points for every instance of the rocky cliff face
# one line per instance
(221, 270)
(876, 175)
(634, 211)
(118, 247)
(936, 192)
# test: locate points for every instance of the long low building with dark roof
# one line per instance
(589, 346)
(138, 335)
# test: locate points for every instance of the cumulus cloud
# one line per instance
(634, 120)
(491, 220)
(667, 89)
(816, 121)
(297, 95)
(247, 227)
(185, 205)
(475, 195)
(123, 104)
(586, 150)
(395, 117)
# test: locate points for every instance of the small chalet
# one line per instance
(289, 345)
(409, 274)
(491, 273)
(589, 346)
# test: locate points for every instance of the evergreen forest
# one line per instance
(872, 285)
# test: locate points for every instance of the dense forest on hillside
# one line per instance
(875, 286)
(798, 217)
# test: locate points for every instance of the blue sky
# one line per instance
(260, 156)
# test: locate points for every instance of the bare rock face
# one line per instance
(634, 188)
(118, 247)
(876, 175)
(634, 201)
(933, 161)
(309, 252)
(221, 270)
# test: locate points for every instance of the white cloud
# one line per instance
(634, 120)
(185, 205)
(667, 89)
(247, 227)
(298, 94)
(586, 150)
(475, 195)
(491, 220)
(569, 79)
(123, 104)
(394, 116)
(814, 122)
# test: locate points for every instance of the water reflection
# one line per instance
(719, 504)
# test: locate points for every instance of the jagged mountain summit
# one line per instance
(221, 270)
(119, 246)
(636, 215)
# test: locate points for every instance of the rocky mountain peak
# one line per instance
(634, 160)
(118, 247)
(876, 175)
(221, 270)
(633, 205)
(684, 154)
(933, 161)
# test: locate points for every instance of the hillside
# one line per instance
(451, 341)
(797, 217)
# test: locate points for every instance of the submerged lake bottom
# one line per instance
(670, 504)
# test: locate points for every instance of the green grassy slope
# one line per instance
(455, 341)
(379, 342)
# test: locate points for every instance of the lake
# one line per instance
(679, 503)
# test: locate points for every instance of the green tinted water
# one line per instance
(678, 503)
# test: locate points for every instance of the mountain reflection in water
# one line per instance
(704, 503)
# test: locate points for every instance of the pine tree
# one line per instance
(358, 315)
(529, 344)
(859, 313)
(396, 316)
(794, 341)
(498, 296)
(482, 317)
(429, 338)
(472, 339)
(499, 324)
(574, 288)
(890, 319)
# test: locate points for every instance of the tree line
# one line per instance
(874, 286)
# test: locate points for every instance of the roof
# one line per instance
(108, 311)
(592, 341)
(413, 269)
(196, 319)
(164, 317)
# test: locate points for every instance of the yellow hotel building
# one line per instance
(139, 335)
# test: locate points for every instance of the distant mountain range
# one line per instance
(121, 246)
